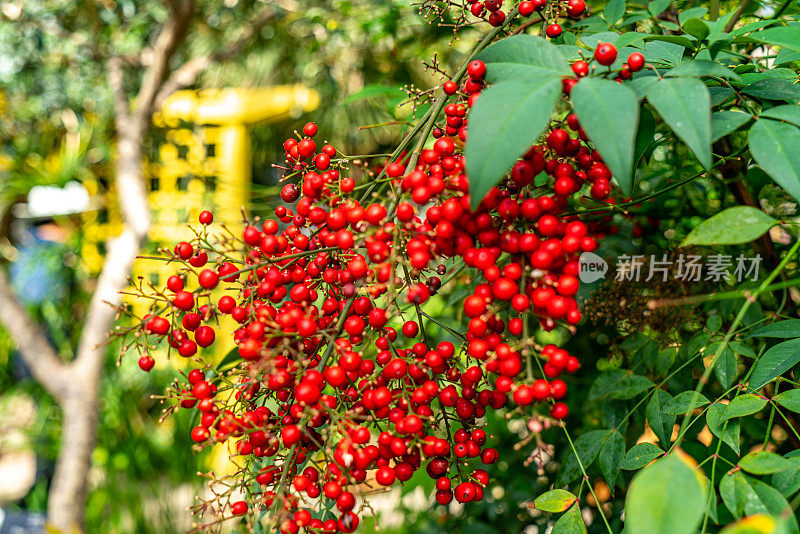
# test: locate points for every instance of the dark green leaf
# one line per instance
(787, 112)
(639, 456)
(789, 399)
(733, 226)
(773, 89)
(665, 498)
(609, 114)
(746, 404)
(696, 27)
(764, 463)
(645, 135)
(715, 419)
(523, 56)
(782, 329)
(685, 105)
(610, 455)
(725, 368)
(719, 94)
(570, 523)
(614, 11)
(659, 422)
(776, 148)
(554, 501)
(683, 402)
(505, 121)
(587, 446)
(725, 122)
(773, 363)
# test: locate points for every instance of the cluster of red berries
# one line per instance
(340, 387)
(492, 12)
(606, 55)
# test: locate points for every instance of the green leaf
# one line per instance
(656, 7)
(789, 400)
(619, 384)
(614, 11)
(554, 501)
(725, 122)
(719, 94)
(685, 105)
(786, 56)
(570, 523)
(683, 402)
(787, 482)
(505, 121)
(725, 368)
(744, 495)
(587, 446)
(715, 419)
(611, 453)
(639, 456)
(523, 56)
(696, 27)
(693, 12)
(773, 363)
(665, 498)
(645, 135)
(787, 112)
(776, 148)
(782, 329)
(609, 114)
(785, 36)
(630, 38)
(659, 422)
(663, 52)
(773, 89)
(746, 404)
(764, 463)
(733, 226)
(699, 68)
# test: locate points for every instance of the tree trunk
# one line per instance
(80, 399)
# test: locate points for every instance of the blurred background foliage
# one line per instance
(56, 125)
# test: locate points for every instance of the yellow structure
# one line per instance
(203, 163)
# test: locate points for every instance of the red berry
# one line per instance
(635, 62)
(206, 217)
(605, 54)
(553, 30)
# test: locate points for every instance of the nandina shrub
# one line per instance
(589, 135)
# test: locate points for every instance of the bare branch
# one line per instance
(736, 16)
(167, 42)
(38, 354)
(188, 73)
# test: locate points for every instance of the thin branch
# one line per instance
(38, 354)
(736, 16)
(167, 42)
(187, 74)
